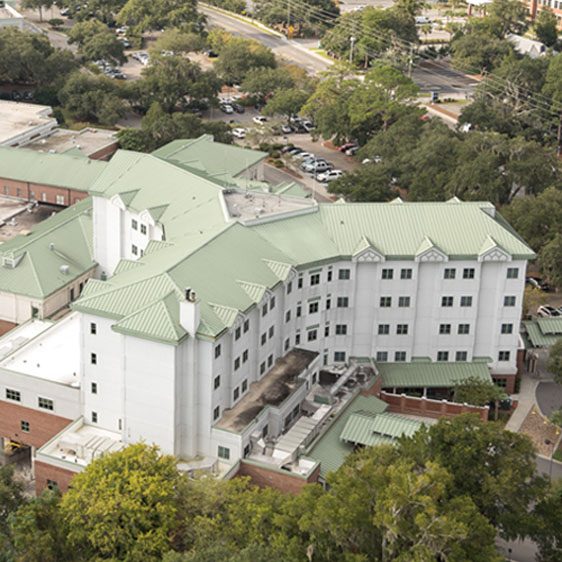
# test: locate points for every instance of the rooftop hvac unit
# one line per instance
(64, 269)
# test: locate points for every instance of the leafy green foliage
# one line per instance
(546, 530)
(550, 260)
(96, 41)
(286, 102)
(554, 364)
(479, 52)
(371, 182)
(546, 27)
(179, 42)
(11, 498)
(475, 391)
(37, 5)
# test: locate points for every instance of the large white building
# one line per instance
(216, 306)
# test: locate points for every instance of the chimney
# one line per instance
(190, 313)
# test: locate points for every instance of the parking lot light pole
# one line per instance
(352, 39)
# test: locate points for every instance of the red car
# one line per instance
(346, 146)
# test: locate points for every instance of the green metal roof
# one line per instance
(543, 332)
(328, 448)
(61, 170)
(430, 375)
(364, 428)
(211, 157)
(37, 268)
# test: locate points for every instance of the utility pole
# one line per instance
(410, 61)
(352, 39)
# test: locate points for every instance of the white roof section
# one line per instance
(53, 354)
(19, 336)
(19, 120)
(526, 46)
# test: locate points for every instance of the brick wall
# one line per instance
(6, 326)
(44, 472)
(402, 404)
(105, 153)
(39, 192)
(510, 380)
(286, 482)
(42, 425)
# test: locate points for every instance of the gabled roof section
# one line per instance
(156, 321)
(226, 314)
(280, 270)
(253, 290)
(366, 251)
(211, 157)
(126, 265)
(365, 428)
(61, 170)
(428, 251)
(543, 332)
(492, 251)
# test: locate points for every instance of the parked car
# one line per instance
(304, 155)
(287, 129)
(346, 146)
(295, 150)
(538, 283)
(420, 20)
(226, 108)
(308, 126)
(122, 30)
(547, 311)
(210, 53)
(126, 43)
(239, 133)
(329, 176)
(28, 95)
(259, 119)
(167, 53)
(16, 96)
(352, 151)
(317, 167)
(287, 148)
(238, 108)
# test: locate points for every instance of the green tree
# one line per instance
(473, 390)
(179, 42)
(478, 52)
(11, 499)
(546, 27)
(553, 89)
(554, 364)
(556, 417)
(285, 102)
(506, 16)
(146, 15)
(92, 98)
(37, 5)
(550, 260)
(532, 299)
(123, 506)
(411, 7)
(96, 41)
(371, 182)
(546, 530)
(262, 81)
(494, 467)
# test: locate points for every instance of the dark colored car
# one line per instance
(238, 108)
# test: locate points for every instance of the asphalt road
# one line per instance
(438, 76)
(280, 46)
(549, 397)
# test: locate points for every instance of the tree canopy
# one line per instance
(96, 41)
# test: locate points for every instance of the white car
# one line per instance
(259, 119)
(420, 20)
(122, 30)
(304, 155)
(228, 109)
(329, 176)
(239, 133)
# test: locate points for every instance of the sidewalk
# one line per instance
(525, 401)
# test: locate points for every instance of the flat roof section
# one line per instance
(87, 141)
(20, 335)
(54, 354)
(279, 383)
(17, 118)
(17, 217)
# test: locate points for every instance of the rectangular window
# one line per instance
(93, 329)
(237, 333)
(446, 301)
(384, 329)
(512, 272)
(264, 310)
(468, 273)
(328, 303)
(93, 359)
(449, 273)
(262, 368)
(289, 287)
(299, 282)
(299, 310)
(224, 453)
(236, 394)
(385, 302)
(45, 403)
(287, 344)
(444, 329)
(263, 338)
(339, 356)
(216, 413)
(313, 307)
(288, 316)
(466, 301)
(143, 228)
(134, 224)
(344, 274)
(237, 364)
(59, 199)
(401, 329)
(217, 351)
(403, 302)
(270, 361)
(507, 329)
(246, 325)
(245, 356)
(406, 273)
(13, 395)
(43, 197)
(217, 382)
(94, 417)
(509, 301)
(315, 279)
(399, 356)
(244, 385)
(341, 329)
(326, 331)
(94, 388)
(463, 329)
(382, 356)
(387, 273)
(312, 335)
(6, 190)
(271, 331)
(24, 426)
(442, 356)
(503, 356)
(297, 339)
(343, 302)
(272, 303)
(461, 356)
(134, 250)
(329, 275)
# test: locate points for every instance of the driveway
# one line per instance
(549, 397)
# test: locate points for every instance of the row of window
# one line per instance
(265, 335)
(241, 359)
(15, 395)
(442, 356)
(315, 278)
(135, 226)
(246, 326)
(59, 199)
